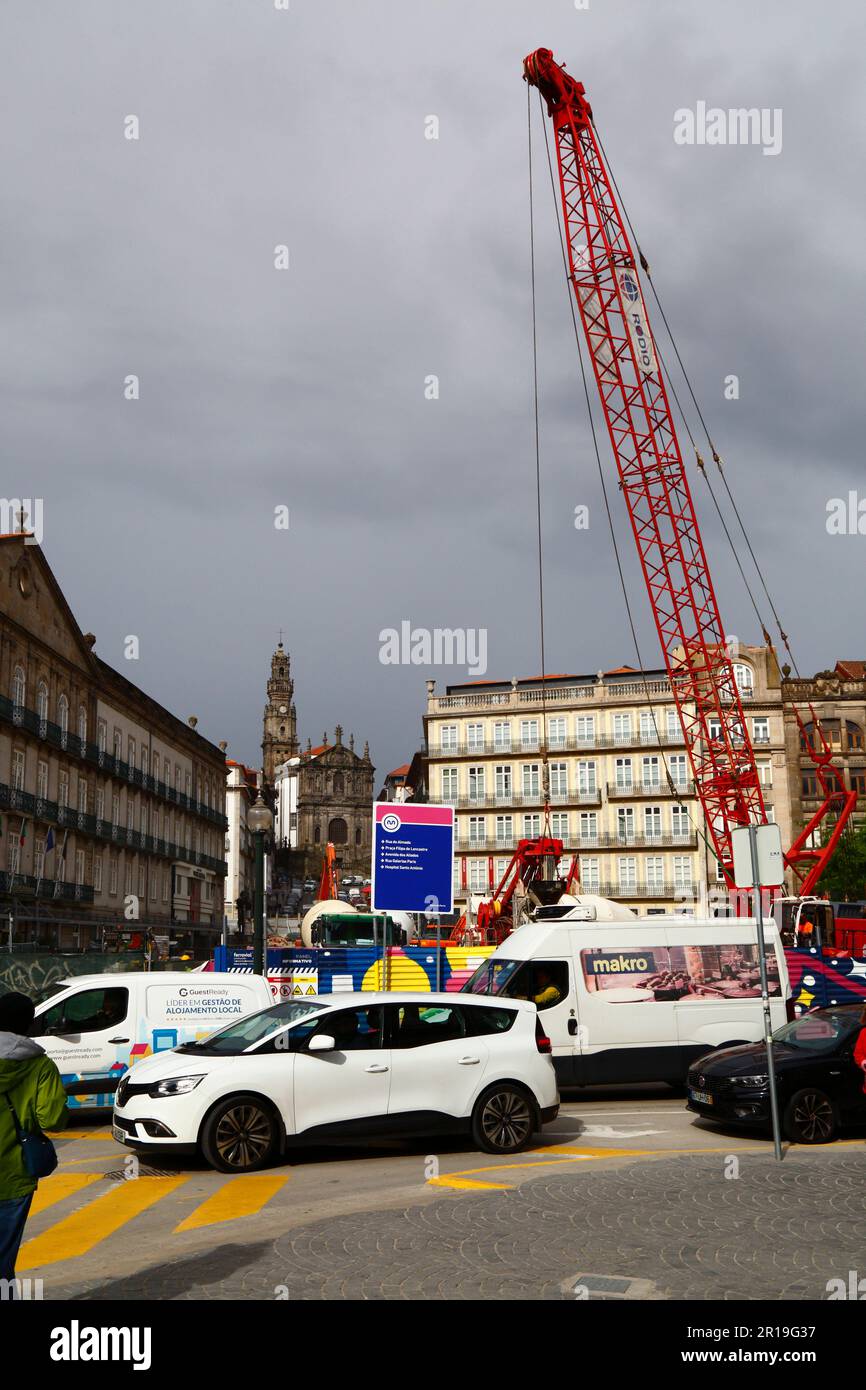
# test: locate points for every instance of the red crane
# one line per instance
(533, 865)
(653, 479)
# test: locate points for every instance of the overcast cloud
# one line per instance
(408, 257)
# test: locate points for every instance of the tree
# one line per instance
(845, 875)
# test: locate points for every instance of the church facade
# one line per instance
(320, 794)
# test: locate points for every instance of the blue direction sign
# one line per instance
(413, 854)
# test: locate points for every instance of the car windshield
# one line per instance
(237, 1037)
(492, 976)
(822, 1031)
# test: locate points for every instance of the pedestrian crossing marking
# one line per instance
(58, 1187)
(244, 1195)
(79, 1233)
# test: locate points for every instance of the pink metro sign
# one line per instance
(413, 856)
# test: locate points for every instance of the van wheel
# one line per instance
(503, 1120)
(239, 1135)
(810, 1118)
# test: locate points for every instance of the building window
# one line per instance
(504, 831)
(584, 727)
(478, 875)
(627, 871)
(42, 781)
(530, 779)
(475, 737)
(476, 783)
(63, 715)
(622, 728)
(745, 678)
(682, 871)
(100, 803)
(130, 751)
(502, 776)
(338, 831)
(589, 876)
(449, 784)
(63, 788)
(652, 822)
(623, 773)
(531, 826)
(82, 725)
(679, 820)
(559, 826)
(625, 823)
(857, 777)
(42, 702)
(588, 826)
(529, 733)
(677, 768)
(112, 876)
(19, 688)
(477, 830)
(674, 729)
(559, 779)
(448, 737)
(97, 873)
(761, 730)
(82, 796)
(166, 880)
(652, 772)
(765, 773)
(648, 731)
(502, 736)
(854, 737)
(141, 883)
(18, 762)
(79, 867)
(586, 778)
(556, 733)
(655, 871)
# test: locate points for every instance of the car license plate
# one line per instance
(701, 1097)
(118, 1134)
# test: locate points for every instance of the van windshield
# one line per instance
(237, 1037)
(492, 976)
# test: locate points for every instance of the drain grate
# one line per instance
(120, 1174)
(609, 1286)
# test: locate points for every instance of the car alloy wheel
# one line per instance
(811, 1118)
(506, 1120)
(243, 1136)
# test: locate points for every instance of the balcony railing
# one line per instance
(571, 743)
(47, 888)
(68, 742)
(65, 817)
(633, 690)
(649, 789)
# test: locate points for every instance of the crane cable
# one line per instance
(545, 772)
(677, 792)
(716, 457)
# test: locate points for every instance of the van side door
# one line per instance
(87, 1033)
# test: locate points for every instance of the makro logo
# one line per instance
(77, 1343)
(621, 964)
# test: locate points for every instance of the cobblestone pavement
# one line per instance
(777, 1231)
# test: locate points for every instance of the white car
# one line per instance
(364, 1065)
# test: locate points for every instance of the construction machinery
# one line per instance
(532, 878)
(627, 366)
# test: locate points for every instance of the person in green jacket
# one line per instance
(30, 1085)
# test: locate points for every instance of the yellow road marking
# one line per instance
(58, 1187)
(104, 1133)
(448, 1181)
(78, 1233)
(240, 1196)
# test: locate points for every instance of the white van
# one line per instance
(626, 999)
(95, 1027)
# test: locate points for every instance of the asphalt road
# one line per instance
(171, 1228)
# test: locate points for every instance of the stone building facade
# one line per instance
(108, 801)
(838, 697)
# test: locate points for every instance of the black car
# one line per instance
(820, 1087)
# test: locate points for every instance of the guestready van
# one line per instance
(97, 1026)
(626, 998)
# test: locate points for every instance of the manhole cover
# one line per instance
(608, 1286)
(143, 1171)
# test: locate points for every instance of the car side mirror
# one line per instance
(322, 1042)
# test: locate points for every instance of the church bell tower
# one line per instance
(279, 735)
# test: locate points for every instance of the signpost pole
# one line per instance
(765, 992)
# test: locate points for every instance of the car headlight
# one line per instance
(176, 1085)
(753, 1081)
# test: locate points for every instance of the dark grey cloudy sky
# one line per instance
(408, 257)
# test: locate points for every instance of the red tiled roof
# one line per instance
(852, 670)
(400, 771)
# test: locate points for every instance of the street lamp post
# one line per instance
(259, 820)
